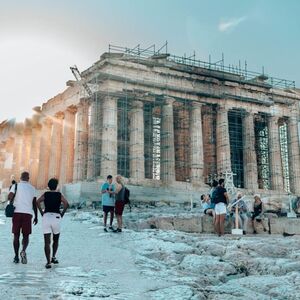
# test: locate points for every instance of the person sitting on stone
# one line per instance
(257, 214)
(242, 212)
(208, 207)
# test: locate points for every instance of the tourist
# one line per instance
(108, 201)
(214, 186)
(52, 218)
(23, 198)
(257, 214)
(242, 212)
(207, 206)
(13, 182)
(221, 200)
(120, 202)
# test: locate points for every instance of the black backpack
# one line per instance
(214, 196)
(126, 196)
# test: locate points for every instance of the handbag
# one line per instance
(9, 209)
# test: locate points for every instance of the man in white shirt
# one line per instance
(23, 196)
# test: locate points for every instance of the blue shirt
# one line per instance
(108, 199)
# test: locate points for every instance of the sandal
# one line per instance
(54, 260)
(48, 266)
(23, 257)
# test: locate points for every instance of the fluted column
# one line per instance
(136, 146)
(2, 161)
(35, 153)
(8, 161)
(249, 153)
(17, 154)
(94, 138)
(56, 144)
(26, 148)
(45, 148)
(67, 153)
(81, 147)
(294, 155)
(109, 152)
(196, 144)
(223, 141)
(209, 142)
(274, 154)
(167, 163)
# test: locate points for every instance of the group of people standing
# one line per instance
(26, 205)
(217, 204)
(113, 195)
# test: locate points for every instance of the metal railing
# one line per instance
(242, 73)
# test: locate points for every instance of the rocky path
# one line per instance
(92, 264)
(151, 264)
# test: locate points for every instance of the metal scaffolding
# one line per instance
(152, 117)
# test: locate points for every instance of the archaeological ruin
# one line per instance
(168, 124)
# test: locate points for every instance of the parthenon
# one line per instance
(161, 120)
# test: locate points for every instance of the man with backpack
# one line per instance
(23, 196)
(221, 200)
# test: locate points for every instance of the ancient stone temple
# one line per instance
(163, 122)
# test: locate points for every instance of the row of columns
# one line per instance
(249, 153)
(49, 149)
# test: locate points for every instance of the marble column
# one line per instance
(8, 162)
(81, 147)
(67, 153)
(223, 141)
(182, 142)
(45, 148)
(2, 161)
(26, 148)
(94, 139)
(196, 144)
(209, 142)
(56, 144)
(109, 149)
(294, 155)
(136, 146)
(249, 153)
(167, 163)
(35, 153)
(274, 154)
(17, 153)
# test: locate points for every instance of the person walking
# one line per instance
(221, 200)
(108, 202)
(120, 202)
(52, 218)
(23, 197)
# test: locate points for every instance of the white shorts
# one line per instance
(220, 208)
(51, 223)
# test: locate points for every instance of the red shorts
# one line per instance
(119, 207)
(21, 221)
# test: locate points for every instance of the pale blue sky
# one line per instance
(39, 40)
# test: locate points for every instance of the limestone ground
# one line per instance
(92, 264)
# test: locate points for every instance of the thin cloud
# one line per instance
(230, 24)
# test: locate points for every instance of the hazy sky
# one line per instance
(40, 40)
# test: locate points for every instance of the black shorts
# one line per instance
(107, 209)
